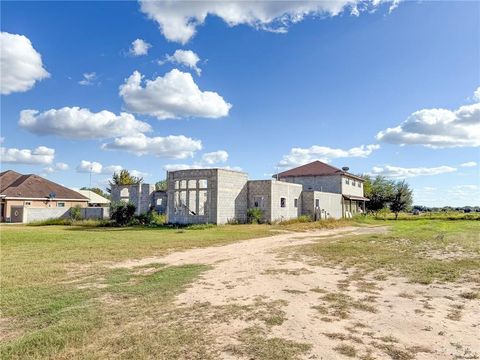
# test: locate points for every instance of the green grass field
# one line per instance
(59, 298)
(52, 279)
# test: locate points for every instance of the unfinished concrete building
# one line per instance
(202, 196)
(219, 196)
(143, 196)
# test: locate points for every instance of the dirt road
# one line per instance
(339, 314)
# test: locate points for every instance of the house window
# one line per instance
(258, 202)
(295, 202)
(60, 204)
(202, 183)
(283, 202)
(359, 184)
(347, 181)
(353, 182)
(28, 203)
(192, 184)
(317, 203)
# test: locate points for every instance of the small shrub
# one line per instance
(122, 214)
(76, 213)
(158, 219)
(255, 215)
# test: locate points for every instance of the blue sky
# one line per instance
(255, 86)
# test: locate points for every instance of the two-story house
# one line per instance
(327, 191)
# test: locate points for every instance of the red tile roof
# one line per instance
(13, 184)
(316, 168)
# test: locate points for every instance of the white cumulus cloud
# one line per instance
(184, 57)
(20, 64)
(438, 128)
(469, 164)
(57, 167)
(173, 146)
(402, 172)
(476, 94)
(81, 123)
(208, 160)
(39, 155)
(178, 20)
(300, 156)
(139, 47)
(220, 156)
(97, 168)
(174, 95)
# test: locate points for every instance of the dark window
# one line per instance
(283, 202)
(317, 203)
(295, 202)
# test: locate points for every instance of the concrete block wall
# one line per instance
(178, 182)
(332, 184)
(308, 203)
(160, 199)
(272, 191)
(263, 189)
(331, 204)
(140, 195)
(232, 200)
(290, 192)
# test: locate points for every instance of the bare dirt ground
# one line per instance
(338, 313)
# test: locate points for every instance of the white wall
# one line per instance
(31, 214)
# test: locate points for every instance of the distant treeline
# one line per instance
(465, 209)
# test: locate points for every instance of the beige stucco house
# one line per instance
(23, 195)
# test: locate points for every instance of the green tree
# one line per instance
(124, 178)
(161, 185)
(380, 191)
(402, 198)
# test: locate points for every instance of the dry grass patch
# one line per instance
(254, 343)
(347, 350)
(403, 251)
(294, 272)
(470, 295)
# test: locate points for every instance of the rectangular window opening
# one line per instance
(202, 203)
(258, 202)
(295, 202)
(283, 202)
(192, 202)
(60, 204)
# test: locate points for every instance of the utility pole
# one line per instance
(90, 183)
